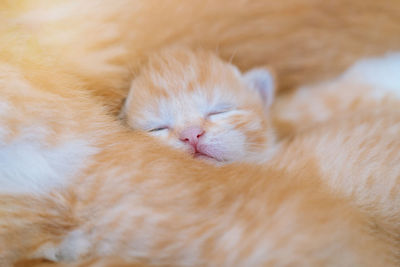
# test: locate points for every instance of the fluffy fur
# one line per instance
(122, 198)
(367, 85)
(133, 202)
(183, 86)
(103, 41)
(194, 101)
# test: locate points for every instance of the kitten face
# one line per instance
(196, 102)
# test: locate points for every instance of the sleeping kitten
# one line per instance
(78, 186)
(369, 86)
(196, 102)
(88, 188)
(203, 105)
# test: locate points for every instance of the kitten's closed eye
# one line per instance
(159, 129)
(216, 113)
(220, 110)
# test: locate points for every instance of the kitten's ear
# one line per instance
(262, 80)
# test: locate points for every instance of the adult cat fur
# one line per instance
(305, 40)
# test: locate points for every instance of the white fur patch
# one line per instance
(27, 166)
(71, 248)
(74, 245)
(382, 73)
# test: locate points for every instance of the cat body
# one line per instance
(113, 193)
(178, 89)
(305, 40)
(368, 85)
(174, 88)
(225, 216)
(356, 94)
(129, 201)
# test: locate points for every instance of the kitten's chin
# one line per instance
(205, 152)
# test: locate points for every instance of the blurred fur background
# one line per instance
(103, 41)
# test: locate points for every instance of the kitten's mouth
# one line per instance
(199, 153)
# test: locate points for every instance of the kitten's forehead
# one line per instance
(182, 84)
(180, 72)
(186, 71)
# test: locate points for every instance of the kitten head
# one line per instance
(194, 101)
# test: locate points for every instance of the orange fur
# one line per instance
(135, 203)
(305, 40)
(130, 202)
(298, 111)
(179, 89)
(176, 74)
(335, 103)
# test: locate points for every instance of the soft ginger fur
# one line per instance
(123, 198)
(184, 84)
(133, 202)
(104, 41)
(180, 89)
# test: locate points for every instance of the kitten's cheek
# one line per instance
(162, 135)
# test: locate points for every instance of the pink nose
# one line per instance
(191, 135)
